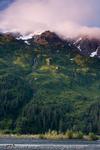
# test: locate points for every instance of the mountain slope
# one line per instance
(46, 83)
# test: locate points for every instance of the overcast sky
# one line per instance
(68, 17)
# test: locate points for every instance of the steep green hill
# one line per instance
(46, 85)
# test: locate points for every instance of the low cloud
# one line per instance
(66, 17)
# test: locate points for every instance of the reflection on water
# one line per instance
(34, 144)
(49, 147)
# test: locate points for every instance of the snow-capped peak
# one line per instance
(25, 37)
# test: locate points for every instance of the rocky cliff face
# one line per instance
(88, 47)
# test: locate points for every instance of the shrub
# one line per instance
(69, 134)
(7, 131)
(79, 135)
(41, 136)
(92, 136)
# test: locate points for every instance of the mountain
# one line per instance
(85, 45)
(47, 82)
(88, 46)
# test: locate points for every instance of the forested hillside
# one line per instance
(45, 83)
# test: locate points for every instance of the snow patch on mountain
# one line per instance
(79, 48)
(94, 53)
(25, 37)
(77, 41)
(27, 42)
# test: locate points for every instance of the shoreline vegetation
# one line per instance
(54, 135)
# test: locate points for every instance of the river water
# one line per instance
(34, 144)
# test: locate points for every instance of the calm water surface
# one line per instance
(33, 144)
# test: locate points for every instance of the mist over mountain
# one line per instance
(63, 17)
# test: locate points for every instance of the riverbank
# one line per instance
(53, 135)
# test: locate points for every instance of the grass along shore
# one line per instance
(54, 135)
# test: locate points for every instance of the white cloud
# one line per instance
(67, 17)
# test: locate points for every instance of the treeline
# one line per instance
(59, 117)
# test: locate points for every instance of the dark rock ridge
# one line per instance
(84, 45)
(87, 46)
